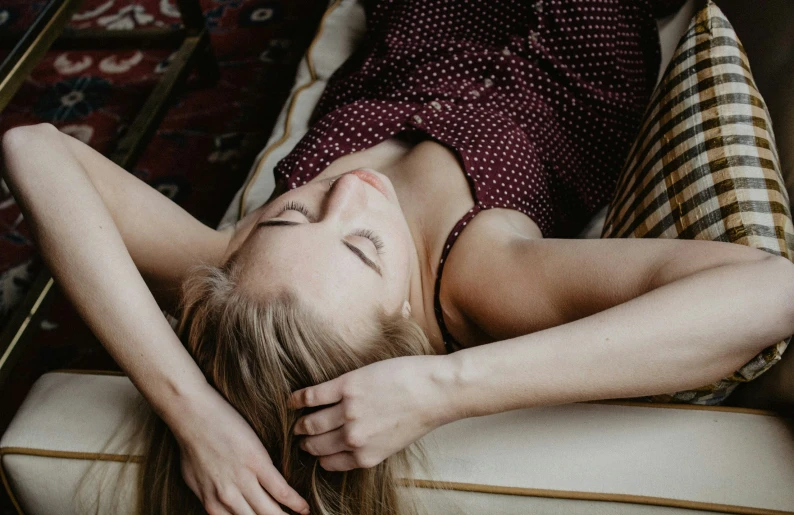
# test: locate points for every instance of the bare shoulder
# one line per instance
(475, 279)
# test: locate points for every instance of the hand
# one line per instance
(377, 411)
(225, 464)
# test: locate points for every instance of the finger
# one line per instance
(217, 509)
(260, 501)
(325, 444)
(235, 503)
(321, 421)
(278, 488)
(329, 392)
(339, 462)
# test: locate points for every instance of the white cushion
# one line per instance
(66, 422)
(580, 458)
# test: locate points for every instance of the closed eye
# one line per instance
(377, 242)
(371, 236)
(300, 208)
(355, 250)
(363, 257)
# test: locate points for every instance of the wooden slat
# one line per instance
(151, 114)
(32, 46)
(24, 322)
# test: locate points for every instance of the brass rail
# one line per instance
(32, 46)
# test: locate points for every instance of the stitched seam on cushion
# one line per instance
(7, 486)
(588, 496)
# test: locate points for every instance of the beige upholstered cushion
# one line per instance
(594, 458)
(70, 430)
(705, 166)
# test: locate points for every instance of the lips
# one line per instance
(372, 179)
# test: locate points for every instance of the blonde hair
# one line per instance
(256, 353)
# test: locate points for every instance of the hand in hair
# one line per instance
(377, 410)
(225, 464)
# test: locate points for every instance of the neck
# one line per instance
(405, 171)
(433, 195)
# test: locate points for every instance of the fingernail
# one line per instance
(305, 512)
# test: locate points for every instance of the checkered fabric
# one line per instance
(705, 166)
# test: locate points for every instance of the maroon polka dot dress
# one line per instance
(539, 100)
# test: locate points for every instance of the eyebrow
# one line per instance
(355, 250)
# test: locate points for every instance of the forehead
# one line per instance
(321, 271)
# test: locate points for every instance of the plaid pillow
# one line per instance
(705, 166)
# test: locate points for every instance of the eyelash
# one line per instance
(294, 206)
(365, 233)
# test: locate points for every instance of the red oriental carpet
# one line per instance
(199, 156)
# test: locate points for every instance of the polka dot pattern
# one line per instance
(540, 100)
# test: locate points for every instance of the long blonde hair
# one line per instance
(256, 353)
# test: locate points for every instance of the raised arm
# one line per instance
(564, 321)
(635, 317)
(163, 239)
(82, 247)
(222, 459)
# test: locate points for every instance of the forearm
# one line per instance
(84, 251)
(682, 335)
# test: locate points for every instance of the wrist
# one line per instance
(182, 398)
(453, 382)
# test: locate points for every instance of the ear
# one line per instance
(406, 309)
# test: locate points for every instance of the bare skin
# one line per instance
(434, 194)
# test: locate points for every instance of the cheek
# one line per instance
(408, 248)
(403, 259)
(400, 252)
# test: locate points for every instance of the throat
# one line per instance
(434, 195)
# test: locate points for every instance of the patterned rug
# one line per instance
(199, 156)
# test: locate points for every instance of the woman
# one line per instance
(451, 160)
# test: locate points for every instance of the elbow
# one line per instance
(24, 132)
(19, 139)
(786, 271)
(782, 270)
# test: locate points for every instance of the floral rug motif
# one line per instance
(199, 156)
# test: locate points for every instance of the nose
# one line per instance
(348, 197)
